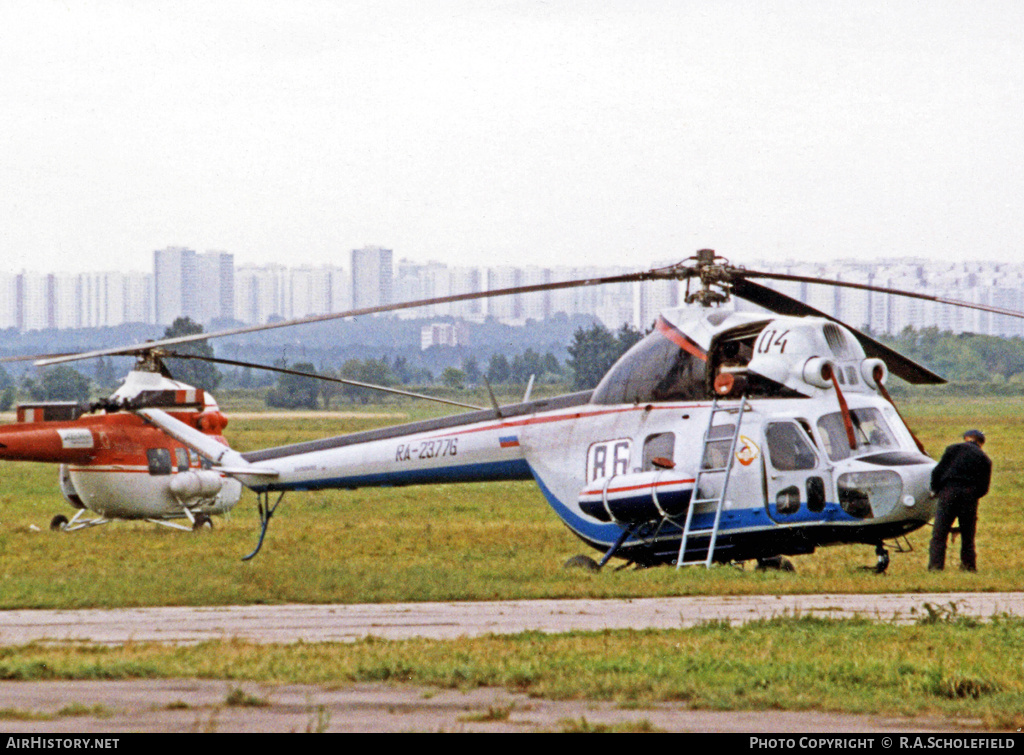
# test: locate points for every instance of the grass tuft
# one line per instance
(582, 726)
(239, 698)
(960, 687)
(494, 713)
(77, 709)
(19, 714)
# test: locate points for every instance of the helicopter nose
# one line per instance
(917, 494)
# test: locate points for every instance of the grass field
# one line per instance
(959, 670)
(444, 542)
(497, 541)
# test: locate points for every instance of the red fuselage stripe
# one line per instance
(648, 486)
(562, 417)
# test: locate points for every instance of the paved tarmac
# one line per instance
(109, 708)
(334, 623)
(179, 705)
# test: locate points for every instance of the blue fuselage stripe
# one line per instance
(737, 520)
(515, 469)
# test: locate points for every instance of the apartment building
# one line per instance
(189, 284)
(209, 288)
(372, 276)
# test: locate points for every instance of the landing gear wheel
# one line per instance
(582, 562)
(58, 523)
(883, 559)
(202, 522)
(775, 563)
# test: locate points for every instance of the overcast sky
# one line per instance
(523, 132)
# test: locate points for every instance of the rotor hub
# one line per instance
(151, 360)
(714, 273)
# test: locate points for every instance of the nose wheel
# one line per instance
(883, 559)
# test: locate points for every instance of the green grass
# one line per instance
(501, 541)
(443, 542)
(955, 669)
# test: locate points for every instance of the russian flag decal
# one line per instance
(509, 441)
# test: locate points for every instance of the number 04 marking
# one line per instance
(772, 340)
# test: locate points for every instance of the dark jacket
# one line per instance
(963, 465)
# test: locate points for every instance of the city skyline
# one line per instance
(527, 131)
(209, 287)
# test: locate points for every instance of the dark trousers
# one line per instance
(954, 504)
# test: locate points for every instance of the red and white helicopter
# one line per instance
(722, 436)
(116, 464)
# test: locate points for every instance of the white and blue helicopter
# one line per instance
(722, 436)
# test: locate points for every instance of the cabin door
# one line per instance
(797, 478)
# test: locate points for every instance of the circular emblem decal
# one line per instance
(747, 451)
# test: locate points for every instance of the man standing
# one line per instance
(961, 477)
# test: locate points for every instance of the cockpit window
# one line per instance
(789, 448)
(869, 429)
(655, 369)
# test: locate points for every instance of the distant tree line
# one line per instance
(293, 391)
(592, 351)
(962, 357)
(8, 391)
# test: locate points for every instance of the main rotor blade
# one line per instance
(344, 381)
(32, 357)
(882, 290)
(141, 348)
(897, 363)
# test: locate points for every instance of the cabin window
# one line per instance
(806, 427)
(869, 429)
(789, 448)
(659, 451)
(787, 500)
(159, 460)
(181, 456)
(716, 450)
(815, 494)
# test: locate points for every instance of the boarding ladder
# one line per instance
(718, 500)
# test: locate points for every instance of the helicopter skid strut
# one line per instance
(77, 523)
(265, 511)
(618, 544)
(74, 525)
(170, 525)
